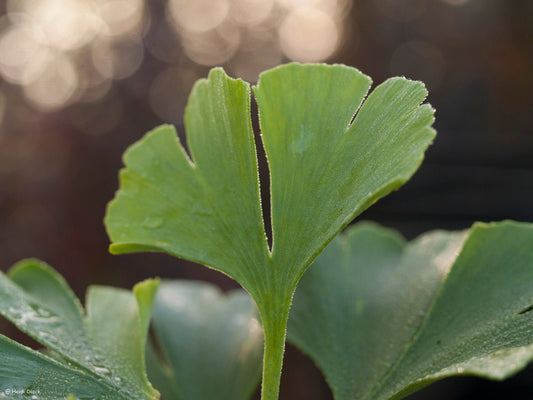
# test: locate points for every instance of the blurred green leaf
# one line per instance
(382, 318)
(211, 344)
(97, 356)
(324, 170)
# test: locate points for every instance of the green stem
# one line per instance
(275, 327)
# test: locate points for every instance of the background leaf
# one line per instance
(324, 169)
(383, 318)
(100, 356)
(211, 343)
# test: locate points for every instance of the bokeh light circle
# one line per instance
(308, 35)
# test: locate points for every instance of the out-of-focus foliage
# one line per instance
(383, 318)
(206, 344)
(98, 356)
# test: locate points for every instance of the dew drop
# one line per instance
(199, 209)
(301, 143)
(42, 315)
(152, 222)
(33, 313)
(101, 370)
(15, 314)
(46, 337)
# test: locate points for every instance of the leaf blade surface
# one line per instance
(400, 316)
(213, 342)
(208, 210)
(37, 300)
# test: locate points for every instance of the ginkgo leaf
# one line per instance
(96, 356)
(326, 166)
(211, 343)
(382, 318)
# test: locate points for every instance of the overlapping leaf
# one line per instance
(98, 356)
(324, 170)
(211, 344)
(383, 318)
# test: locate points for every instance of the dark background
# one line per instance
(80, 81)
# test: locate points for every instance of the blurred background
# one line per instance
(80, 80)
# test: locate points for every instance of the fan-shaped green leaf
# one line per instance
(99, 356)
(325, 169)
(382, 318)
(211, 343)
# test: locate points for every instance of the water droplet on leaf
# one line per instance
(101, 370)
(153, 222)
